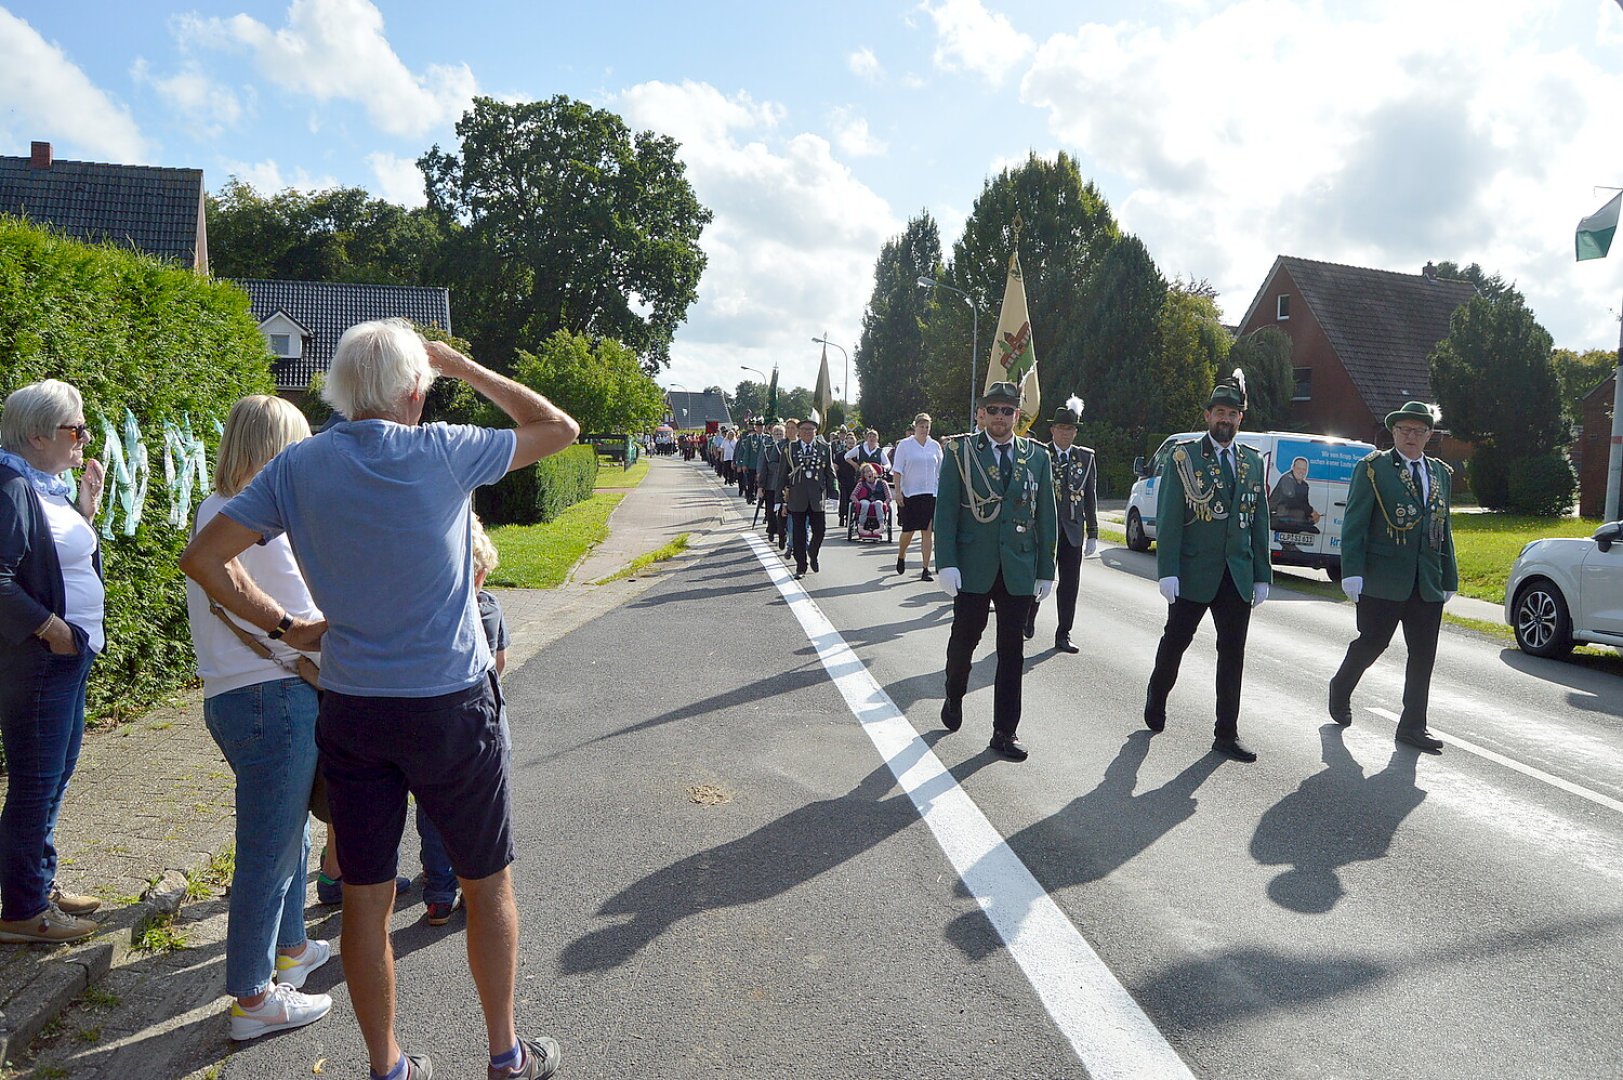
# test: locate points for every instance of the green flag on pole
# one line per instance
(1595, 232)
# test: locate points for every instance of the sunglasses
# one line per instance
(81, 432)
(1000, 410)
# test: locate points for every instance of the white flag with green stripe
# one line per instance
(1595, 232)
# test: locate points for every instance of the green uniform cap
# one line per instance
(1001, 393)
(1414, 410)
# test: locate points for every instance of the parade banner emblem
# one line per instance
(1014, 359)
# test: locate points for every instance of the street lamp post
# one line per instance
(844, 405)
(974, 333)
(757, 371)
(685, 390)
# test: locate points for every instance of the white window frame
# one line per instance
(1282, 307)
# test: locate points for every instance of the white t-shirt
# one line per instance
(223, 661)
(75, 548)
(920, 466)
(727, 448)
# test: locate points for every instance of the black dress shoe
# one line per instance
(1422, 739)
(1340, 708)
(1009, 746)
(901, 566)
(1029, 630)
(799, 574)
(1233, 748)
(814, 567)
(952, 713)
(1155, 719)
(1062, 643)
(927, 576)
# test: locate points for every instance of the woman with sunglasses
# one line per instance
(51, 602)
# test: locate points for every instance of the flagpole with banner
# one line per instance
(1014, 359)
(1593, 241)
(823, 396)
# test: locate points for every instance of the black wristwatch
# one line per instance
(281, 628)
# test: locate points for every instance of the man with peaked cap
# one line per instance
(1398, 566)
(771, 476)
(1076, 504)
(995, 532)
(1211, 553)
(810, 481)
(746, 456)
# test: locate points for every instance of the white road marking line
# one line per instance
(1105, 1026)
(1511, 763)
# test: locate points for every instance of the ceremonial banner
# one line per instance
(772, 396)
(1013, 358)
(1595, 232)
(823, 396)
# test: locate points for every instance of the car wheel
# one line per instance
(1135, 532)
(1543, 624)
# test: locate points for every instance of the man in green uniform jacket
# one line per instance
(1211, 553)
(1398, 566)
(747, 458)
(995, 531)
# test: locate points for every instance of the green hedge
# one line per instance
(131, 332)
(541, 492)
(1541, 486)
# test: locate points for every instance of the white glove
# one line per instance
(1169, 589)
(1447, 596)
(1259, 593)
(951, 580)
(1044, 588)
(1352, 586)
(1090, 547)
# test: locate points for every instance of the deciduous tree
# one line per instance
(1265, 357)
(601, 384)
(890, 355)
(1493, 378)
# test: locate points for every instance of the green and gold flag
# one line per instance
(823, 396)
(1595, 232)
(1013, 357)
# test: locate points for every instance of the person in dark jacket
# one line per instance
(51, 629)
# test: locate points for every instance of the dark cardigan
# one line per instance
(31, 588)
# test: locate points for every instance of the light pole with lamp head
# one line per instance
(974, 333)
(685, 390)
(845, 406)
(762, 374)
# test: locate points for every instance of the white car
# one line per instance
(1565, 591)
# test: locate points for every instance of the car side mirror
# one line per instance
(1138, 467)
(1607, 535)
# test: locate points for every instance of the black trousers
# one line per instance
(800, 522)
(1231, 615)
(1068, 560)
(769, 510)
(746, 482)
(969, 614)
(1377, 620)
(846, 488)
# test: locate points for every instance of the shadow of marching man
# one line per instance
(1337, 817)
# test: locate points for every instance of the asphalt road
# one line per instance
(720, 875)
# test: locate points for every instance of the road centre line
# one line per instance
(1510, 763)
(1106, 1028)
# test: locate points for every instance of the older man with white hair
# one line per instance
(377, 510)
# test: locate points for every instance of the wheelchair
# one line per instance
(881, 531)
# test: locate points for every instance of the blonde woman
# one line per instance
(263, 716)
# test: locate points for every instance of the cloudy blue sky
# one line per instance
(1374, 132)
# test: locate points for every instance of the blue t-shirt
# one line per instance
(378, 516)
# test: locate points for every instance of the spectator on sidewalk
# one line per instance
(261, 712)
(377, 510)
(51, 604)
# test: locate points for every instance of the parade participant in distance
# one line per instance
(1398, 565)
(811, 480)
(916, 470)
(772, 475)
(845, 471)
(1211, 553)
(994, 515)
(791, 429)
(377, 510)
(1077, 505)
(746, 456)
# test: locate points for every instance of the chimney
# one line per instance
(39, 156)
(1429, 271)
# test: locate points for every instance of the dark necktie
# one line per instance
(1004, 468)
(1228, 466)
(1414, 471)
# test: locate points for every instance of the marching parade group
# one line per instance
(1011, 519)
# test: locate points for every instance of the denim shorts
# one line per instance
(449, 751)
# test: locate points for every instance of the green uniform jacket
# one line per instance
(1392, 541)
(1230, 531)
(747, 454)
(1020, 539)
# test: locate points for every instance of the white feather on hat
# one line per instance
(1239, 380)
(1074, 404)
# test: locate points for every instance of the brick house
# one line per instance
(686, 410)
(155, 210)
(1360, 339)
(1594, 448)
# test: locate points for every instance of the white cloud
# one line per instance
(971, 38)
(400, 181)
(1269, 128)
(206, 106)
(337, 50)
(47, 97)
(266, 177)
(792, 247)
(864, 64)
(852, 136)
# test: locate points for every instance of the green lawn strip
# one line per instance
(641, 562)
(541, 556)
(611, 475)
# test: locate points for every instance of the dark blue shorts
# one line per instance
(449, 751)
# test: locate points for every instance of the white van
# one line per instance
(1307, 494)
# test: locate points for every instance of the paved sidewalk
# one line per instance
(152, 802)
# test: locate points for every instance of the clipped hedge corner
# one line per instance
(541, 492)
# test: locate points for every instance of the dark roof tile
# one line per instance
(155, 210)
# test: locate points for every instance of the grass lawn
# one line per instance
(611, 475)
(541, 556)
(1488, 543)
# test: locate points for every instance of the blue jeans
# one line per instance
(439, 879)
(268, 733)
(42, 723)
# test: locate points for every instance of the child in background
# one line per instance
(439, 880)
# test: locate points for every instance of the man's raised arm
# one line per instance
(543, 428)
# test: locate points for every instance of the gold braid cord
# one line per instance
(1200, 503)
(1392, 527)
(975, 503)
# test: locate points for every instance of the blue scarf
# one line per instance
(44, 483)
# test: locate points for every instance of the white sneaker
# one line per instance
(293, 970)
(283, 1009)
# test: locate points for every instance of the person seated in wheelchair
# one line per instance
(870, 501)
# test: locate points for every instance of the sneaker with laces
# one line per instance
(50, 926)
(417, 1067)
(283, 1009)
(293, 970)
(438, 914)
(73, 903)
(541, 1058)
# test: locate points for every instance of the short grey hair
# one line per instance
(37, 409)
(375, 367)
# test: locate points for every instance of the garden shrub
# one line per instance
(541, 492)
(1543, 485)
(1488, 477)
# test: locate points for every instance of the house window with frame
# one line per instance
(281, 344)
(1304, 384)
(1282, 307)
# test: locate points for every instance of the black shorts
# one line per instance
(449, 751)
(918, 513)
